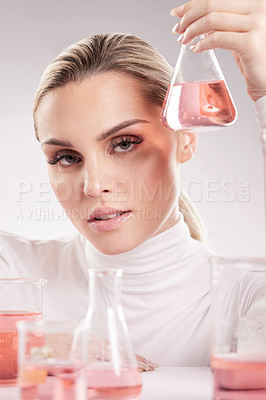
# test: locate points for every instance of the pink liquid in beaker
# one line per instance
(9, 342)
(42, 382)
(198, 106)
(241, 380)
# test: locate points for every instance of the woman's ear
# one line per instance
(187, 146)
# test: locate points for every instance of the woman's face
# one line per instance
(112, 165)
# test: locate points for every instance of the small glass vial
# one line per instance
(198, 98)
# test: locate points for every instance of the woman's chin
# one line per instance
(117, 243)
(112, 249)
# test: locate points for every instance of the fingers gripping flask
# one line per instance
(198, 98)
(112, 370)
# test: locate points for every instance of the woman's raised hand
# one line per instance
(236, 25)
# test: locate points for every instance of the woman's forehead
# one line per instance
(96, 104)
(107, 89)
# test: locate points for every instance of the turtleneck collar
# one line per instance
(167, 247)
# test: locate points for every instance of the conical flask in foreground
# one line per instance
(198, 98)
(112, 370)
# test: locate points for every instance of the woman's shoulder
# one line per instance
(11, 243)
(22, 254)
(20, 240)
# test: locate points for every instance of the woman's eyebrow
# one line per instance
(56, 142)
(103, 136)
(120, 126)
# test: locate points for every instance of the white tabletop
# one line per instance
(164, 383)
(177, 383)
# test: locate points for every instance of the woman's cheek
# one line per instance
(153, 177)
(63, 188)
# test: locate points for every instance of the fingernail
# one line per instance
(194, 47)
(180, 38)
(151, 364)
(176, 27)
(143, 366)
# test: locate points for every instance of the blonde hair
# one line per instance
(122, 53)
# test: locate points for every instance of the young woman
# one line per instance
(115, 170)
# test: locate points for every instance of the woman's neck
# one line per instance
(150, 255)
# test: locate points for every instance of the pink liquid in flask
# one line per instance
(198, 106)
(106, 385)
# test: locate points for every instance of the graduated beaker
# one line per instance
(198, 98)
(52, 360)
(20, 299)
(112, 370)
(238, 356)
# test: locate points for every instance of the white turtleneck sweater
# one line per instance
(165, 285)
(165, 288)
(165, 295)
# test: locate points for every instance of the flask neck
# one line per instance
(108, 340)
(104, 289)
(196, 67)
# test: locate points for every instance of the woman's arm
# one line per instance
(236, 25)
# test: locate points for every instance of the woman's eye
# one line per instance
(65, 160)
(125, 144)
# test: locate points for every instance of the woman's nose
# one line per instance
(97, 181)
(95, 188)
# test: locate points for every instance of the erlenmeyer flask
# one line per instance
(112, 370)
(198, 98)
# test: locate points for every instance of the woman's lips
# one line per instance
(109, 224)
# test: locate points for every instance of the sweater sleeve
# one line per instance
(260, 108)
(4, 264)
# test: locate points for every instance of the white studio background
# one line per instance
(225, 177)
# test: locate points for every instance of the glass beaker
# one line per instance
(52, 360)
(20, 299)
(112, 370)
(238, 356)
(198, 98)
